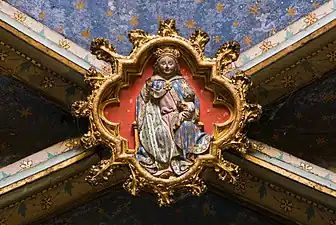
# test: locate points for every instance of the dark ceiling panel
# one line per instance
(29, 123)
(119, 207)
(303, 124)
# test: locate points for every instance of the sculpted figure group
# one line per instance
(167, 116)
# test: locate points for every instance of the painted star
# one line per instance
(254, 9)
(315, 4)
(80, 4)
(291, 11)
(247, 40)
(134, 21)
(42, 15)
(109, 13)
(25, 112)
(320, 140)
(86, 33)
(217, 39)
(121, 38)
(191, 24)
(219, 7)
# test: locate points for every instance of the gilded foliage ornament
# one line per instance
(171, 148)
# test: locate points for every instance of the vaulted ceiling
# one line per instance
(302, 124)
(29, 123)
(118, 207)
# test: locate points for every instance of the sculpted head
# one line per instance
(166, 63)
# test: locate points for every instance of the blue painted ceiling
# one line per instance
(247, 21)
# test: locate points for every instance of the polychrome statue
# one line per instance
(167, 118)
(158, 138)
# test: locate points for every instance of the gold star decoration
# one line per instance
(86, 33)
(46, 202)
(219, 7)
(64, 44)
(48, 82)
(25, 164)
(25, 112)
(19, 16)
(286, 205)
(235, 23)
(291, 11)
(247, 40)
(42, 15)
(306, 167)
(321, 141)
(217, 39)
(315, 4)
(310, 19)
(191, 24)
(265, 46)
(332, 56)
(121, 38)
(3, 55)
(288, 81)
(80, 4)
(254, 9)
(60, 29)
(109, 13)
(134, 21)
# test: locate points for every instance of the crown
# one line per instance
(159, 52)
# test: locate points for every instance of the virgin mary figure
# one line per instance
(167, 115)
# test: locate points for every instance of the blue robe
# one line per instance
(165, 139)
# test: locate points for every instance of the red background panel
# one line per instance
(124, 112)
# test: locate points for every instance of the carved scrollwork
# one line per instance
(227, 54)
(94, 79)
(136, 182)
(90, 139)
(100, 173)
(199, 39)
(80, 109)
(167, 28)
(228, 134)
(227, 171)
(104, 51)
(138, 37)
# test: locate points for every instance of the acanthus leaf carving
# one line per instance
(104, 51)
(167, 28)
(138, 37)
(226, 55)
(199, 39)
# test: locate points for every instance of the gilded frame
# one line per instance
(230, 92)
